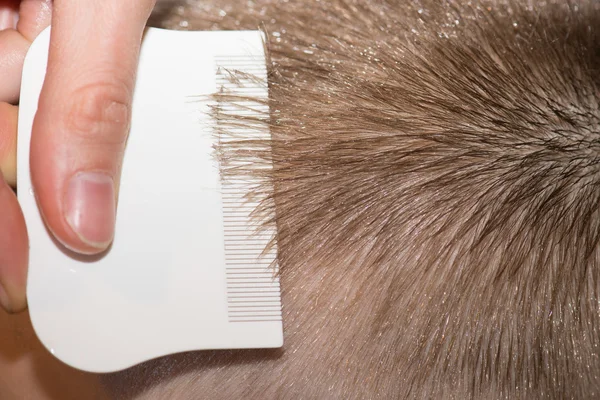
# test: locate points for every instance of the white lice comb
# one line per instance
(185, 271)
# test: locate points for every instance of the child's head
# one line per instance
(437, 174)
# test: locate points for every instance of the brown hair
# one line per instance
(437, 193)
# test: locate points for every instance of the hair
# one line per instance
(437, 197)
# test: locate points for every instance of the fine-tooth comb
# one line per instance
(189, 269)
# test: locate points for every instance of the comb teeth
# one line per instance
(253, 291)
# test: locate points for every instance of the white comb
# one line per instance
(186, 270)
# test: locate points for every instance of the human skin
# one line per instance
(437, 204)
(81, 126)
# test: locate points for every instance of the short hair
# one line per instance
(437, 198)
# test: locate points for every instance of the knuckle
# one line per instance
(99, 113)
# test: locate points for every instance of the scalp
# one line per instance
(436, 172)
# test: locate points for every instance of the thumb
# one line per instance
(81, 127)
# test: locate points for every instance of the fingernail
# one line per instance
(8, 18)
(90, 208)
(4, 300)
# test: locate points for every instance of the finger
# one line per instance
(82, 123)
(13, 48)
(8, 143)
(33, 17)
(13, 251)
(9, 14)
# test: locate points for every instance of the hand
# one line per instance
(80, 129)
